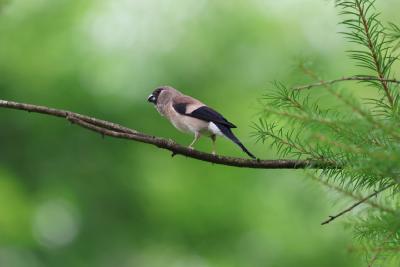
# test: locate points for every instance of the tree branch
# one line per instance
(352, 78)
(388, 129)
(373, 50)
(118, 131)
(350, 194)
(331, 218)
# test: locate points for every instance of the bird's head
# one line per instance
(161, 92)
(154, 96)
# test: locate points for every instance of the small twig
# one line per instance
(350, 194)
(353, 78)
(115, 130)
(388, 129)
(331, 218)
(375, 249)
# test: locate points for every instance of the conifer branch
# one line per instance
(352, 78)
(331, 218)
(362, 136)
(377, 124)
(350, 194)
(362, 9)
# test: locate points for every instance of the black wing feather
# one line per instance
(208, 114)
(204, 113)
(180, 108)
(228, 133)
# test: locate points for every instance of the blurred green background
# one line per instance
(70, 198)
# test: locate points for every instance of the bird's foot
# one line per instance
(191, 148)
(214, 153)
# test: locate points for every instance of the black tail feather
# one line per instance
(229, 134)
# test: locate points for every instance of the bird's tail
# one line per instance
(229, 134)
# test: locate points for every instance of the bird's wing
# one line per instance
(193, 108)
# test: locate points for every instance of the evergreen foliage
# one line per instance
(361, 137)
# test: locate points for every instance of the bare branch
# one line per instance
(352, 78)
(331, 218)
(118, 131)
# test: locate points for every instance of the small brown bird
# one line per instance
(190, 115)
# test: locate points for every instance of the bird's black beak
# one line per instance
(152, 99)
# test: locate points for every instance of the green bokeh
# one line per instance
(71, 198)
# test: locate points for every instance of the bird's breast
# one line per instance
(188, 124)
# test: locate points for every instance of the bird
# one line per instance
(190, 115)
